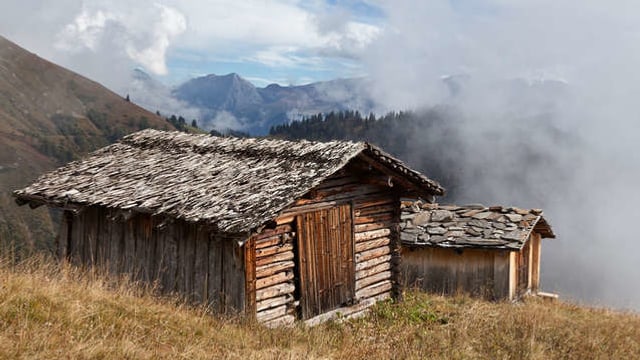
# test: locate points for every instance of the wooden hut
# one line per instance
(274, 229)
(492, 252)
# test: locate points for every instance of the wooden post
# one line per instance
(250, 276)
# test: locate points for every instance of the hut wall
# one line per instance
(274, 273)
(536, 247)
(176, 256)
(374, 215)
(526, 264)
(477, 272)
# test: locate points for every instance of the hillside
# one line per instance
(49, 312)
(49, 116)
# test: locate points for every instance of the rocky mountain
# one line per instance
(229, 101)
(49, 116)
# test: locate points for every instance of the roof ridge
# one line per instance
(242, 147)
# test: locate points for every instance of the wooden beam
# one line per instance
(398, 177)
(277, 278)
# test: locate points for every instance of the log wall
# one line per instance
(375, 213)
(176, 256)
(274, 274)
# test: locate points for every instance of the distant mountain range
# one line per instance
(224, 102)
(49, 116)
(230, 102)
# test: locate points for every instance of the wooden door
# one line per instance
(325, 260)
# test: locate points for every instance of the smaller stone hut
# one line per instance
(493, 252)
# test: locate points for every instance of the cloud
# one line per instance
(171, 24)
(277, 33)
(546, 116)
(224, 121)
(96, 27)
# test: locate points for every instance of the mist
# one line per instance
(545, 116)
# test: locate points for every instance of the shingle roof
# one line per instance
(236, 184)
(470, 226)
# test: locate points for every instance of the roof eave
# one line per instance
(408, 177)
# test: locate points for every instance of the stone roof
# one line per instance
(232, 183)
(470, 226)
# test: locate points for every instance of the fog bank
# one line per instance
(546, 116)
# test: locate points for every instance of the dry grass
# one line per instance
(49, 311)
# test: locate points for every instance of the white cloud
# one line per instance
(172, 23)
(142, 33)
(84, 32)
(270, 33)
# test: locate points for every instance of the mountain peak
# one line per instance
(219, 92)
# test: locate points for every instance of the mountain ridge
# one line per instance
(230, 102)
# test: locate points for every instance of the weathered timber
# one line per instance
(373, 218)
(267, 233)
(215, 278)
(371, 254)
(273, 250)
(285, 220)
(361, 191)
(332, 182)
(272, 313)
(250, 275)
(189, 257)
(287, 255)
(372, 244)
(129, 246)
(375, 289)
(275, 290)
(361, 265)
(372, 234)
(233, 276)
(103, 236)
(367, 202)
(271, 241)
(116, 243)
(366, 281)
(383, 266)
(168, 277)
(90, 236)
(478, 272)
(401, 173)
(375, 210)
(159, 264)
(272, 268)
(200, 270)
(274, 302)
(372, 226)
(277, 278)
(308, 205)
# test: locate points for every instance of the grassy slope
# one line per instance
(45, 122)
(48, 311)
